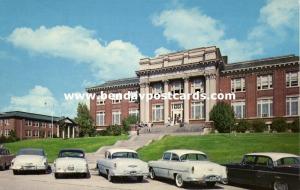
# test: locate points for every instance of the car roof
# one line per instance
(38, 149)
(273, 155)
(114, 150)
(181, 152)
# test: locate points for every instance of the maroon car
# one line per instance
(5, 158)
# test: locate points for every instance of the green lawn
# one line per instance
(224, 148)
(52, 146)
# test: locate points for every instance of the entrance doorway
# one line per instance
(177, 113)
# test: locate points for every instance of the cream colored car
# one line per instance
(71, 161)
(187, 166)
(30, 159)
(122, 163)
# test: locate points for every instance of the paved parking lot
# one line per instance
(47, 182)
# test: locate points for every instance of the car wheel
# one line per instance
(140, 178)
(179, 180)
(16, 172)
(210, 184)
(109, 177)
(7, 166)
(152, 173)
(280, 186)
(56, 175)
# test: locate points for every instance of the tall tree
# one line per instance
(84, 120)
(222, 115)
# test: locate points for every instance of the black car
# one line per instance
(278, 171)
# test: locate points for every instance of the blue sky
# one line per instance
(48, 47)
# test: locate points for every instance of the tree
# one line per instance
(279, 124)
(85, 121)
(243, 126)
(222, 115)
(127, 122)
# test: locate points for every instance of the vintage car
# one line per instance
(71, 161)
(187, 166)
(30, 159)
(279, 171)
(5, 158)
(122, 163)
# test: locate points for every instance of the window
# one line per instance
(100, 101)
(197, 86)
(116, 98)
(264, 82)
(197, 110)
(167, 156)
(265, 108)
(292, 105)
(36, 124)
(29, 123)
(176, 87)
(134, 113)
(35, 133)
(157, 88)
(288, 161)
(175, 157)
(239, 109)
(100, 118)
(292, 79)
(133, 96)
(157, 112)
(28, 133)
(6, 132)
(1, 122)
(238, 85)
(249, 160)
(116, 118)
(263, 161)
(5, 122)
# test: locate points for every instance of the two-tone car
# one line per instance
(5, 158)
(30, 159)
(278, 171)
(122, 163)
(71, 162)
(187, 166)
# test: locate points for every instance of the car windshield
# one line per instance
(71, 153)
(288, 161)
(193, 157)
(37, 152)
(125, 155)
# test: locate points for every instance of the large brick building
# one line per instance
(30, 125)
(264, 88)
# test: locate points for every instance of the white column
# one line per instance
(147, 103)
(73, 132)
(63, 132)
(68, 132)
(207, 106)
(212, 89)
(142, 103)
(186, 107)
(57, 131)
(166, 103)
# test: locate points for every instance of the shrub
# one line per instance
(127, 122)
(259, 126)
(243, 126)
(222, 115)
(279, 124)
(114, 130)
(295, 127)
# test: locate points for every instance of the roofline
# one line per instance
(4, 113)
(265, 59)
(120, 79)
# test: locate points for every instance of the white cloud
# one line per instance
(161, 50)
(41, 100)
(278, 13)
(191, 28)
(117, 58)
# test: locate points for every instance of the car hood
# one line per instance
(70, 160)
(29, 159)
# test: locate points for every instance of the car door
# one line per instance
(174, 165)
(244, 173)
(164, 166)
(263, 171)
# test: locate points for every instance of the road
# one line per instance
(47, 182)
